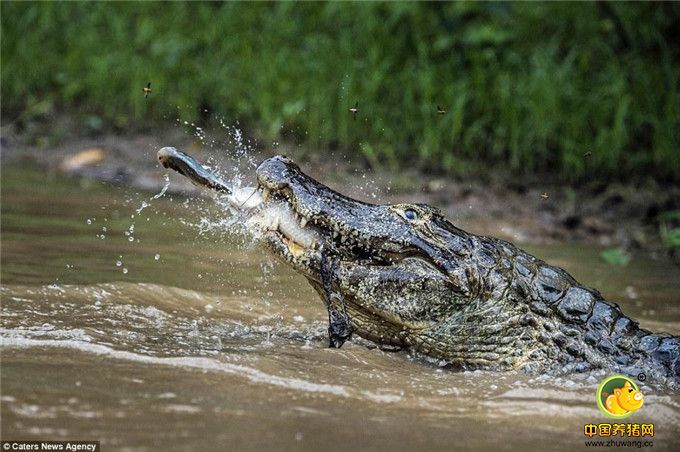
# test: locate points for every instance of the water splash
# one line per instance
(129, 233)
(166, 178)
(233, 159)
(164, 189)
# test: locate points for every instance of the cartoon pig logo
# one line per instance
(618, 397)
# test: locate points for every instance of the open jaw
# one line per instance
(295, 216)
(268, 216)
(300, 237)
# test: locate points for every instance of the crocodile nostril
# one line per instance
(638, 396)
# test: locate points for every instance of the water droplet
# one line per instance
(142, 207)
(118, 263)
(89, 221)
(157, 256)
(131, 239)
(125, 270)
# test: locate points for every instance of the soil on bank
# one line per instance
(534, 211)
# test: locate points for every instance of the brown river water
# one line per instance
(157, 332)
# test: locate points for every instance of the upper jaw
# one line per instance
(357, 231)
(332, 234)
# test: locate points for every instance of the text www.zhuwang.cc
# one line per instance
(620, 443)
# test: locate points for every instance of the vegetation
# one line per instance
(615, 256)
(669, 229)
(581, 90)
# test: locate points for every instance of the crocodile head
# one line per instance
(394, 266)
(393, 270)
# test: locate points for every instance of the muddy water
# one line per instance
(168, 338)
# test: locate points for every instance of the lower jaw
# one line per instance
(294, 248)
(300, 258)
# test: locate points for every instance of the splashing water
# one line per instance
(166, 178)
(166, 185)
(131, 229)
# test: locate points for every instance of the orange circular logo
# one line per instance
(618, 397)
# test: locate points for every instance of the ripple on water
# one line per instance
(14, 340)
(156, 327)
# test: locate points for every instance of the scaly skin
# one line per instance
(403, 275)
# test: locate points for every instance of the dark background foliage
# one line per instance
(527, 87)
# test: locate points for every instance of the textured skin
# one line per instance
(404, 276)
(473, 301)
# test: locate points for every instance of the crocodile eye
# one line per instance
(410, 214)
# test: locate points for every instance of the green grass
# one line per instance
(615, 256)
(529, 88)
(669, 229)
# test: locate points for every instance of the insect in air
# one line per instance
(440, 110)
(587, 154)
(545, 195)
(147, 90)
(354, 110)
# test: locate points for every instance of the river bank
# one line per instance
(531, 211)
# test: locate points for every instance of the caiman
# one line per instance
(404, 276)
